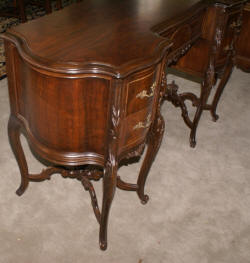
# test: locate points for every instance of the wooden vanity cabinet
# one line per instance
(86, 85)
(84, 125)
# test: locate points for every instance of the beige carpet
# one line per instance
(199, 208)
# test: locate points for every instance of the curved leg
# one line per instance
(192, 138)
(109, 186)
(219, 90)
(206, 87)
(154, 143)
(14, 137)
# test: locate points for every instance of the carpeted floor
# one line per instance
(199, 208)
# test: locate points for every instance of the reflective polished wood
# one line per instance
(86, 84)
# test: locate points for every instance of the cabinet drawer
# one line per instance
(140, 93)
(136, 126)
(188, 29)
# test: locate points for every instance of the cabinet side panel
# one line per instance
(64, 114)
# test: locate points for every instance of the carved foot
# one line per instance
(192, 142)
(144, 199)
(215, 116)
(103, 245)
(22, 188)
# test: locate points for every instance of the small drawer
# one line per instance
(140, 93)
(136, 126)
(188, 29)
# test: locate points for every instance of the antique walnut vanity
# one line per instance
(86, 84)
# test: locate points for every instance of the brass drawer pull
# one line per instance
(236, 24)
(228, 48)
(143, 125)
(143, 94)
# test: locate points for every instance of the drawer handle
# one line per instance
(143, 94)
(143, 125)
(236, 24)
(228, 48)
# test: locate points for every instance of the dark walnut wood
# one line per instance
(86, 84)
(243, 43)
(209, 59)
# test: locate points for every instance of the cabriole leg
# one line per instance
(154, 143)
(192, 138)
(109, 186)
(14, 137)
(206, 87)
(220, 89)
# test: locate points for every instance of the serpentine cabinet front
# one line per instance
(84, 125)
(87, 92)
